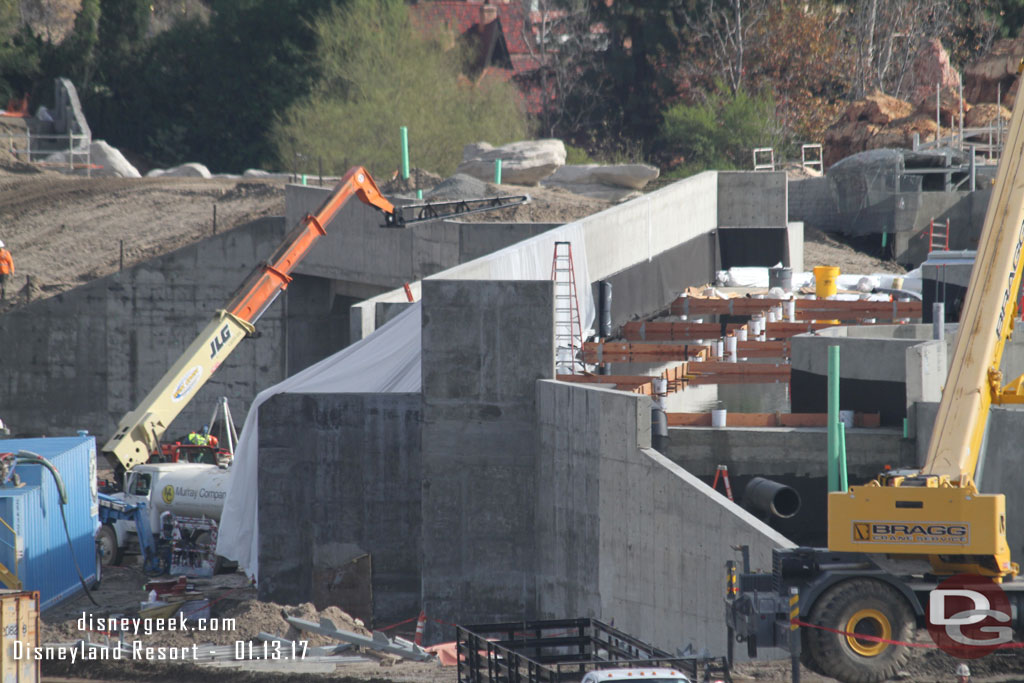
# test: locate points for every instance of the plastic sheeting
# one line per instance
(387, 361)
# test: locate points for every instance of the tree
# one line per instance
(376, 74)
(720, 132)
(564, 43)
(724, 29)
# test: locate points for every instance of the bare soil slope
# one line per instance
(65, 230)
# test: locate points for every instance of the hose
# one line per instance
(30, 457)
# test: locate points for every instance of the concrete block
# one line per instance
(926, 371)
(752, 199)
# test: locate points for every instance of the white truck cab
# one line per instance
(185, 489)
(619, 675)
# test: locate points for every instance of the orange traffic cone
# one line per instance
(420, 623)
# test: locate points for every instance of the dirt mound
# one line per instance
(418, 179)
(252, 617)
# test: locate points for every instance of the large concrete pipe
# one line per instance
(771, 497)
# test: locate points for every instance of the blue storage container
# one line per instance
(33, 511)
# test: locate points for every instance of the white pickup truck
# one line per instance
(619, 675)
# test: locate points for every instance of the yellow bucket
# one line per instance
(825, 281)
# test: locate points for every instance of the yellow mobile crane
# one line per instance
(892, 540)
(139, 432)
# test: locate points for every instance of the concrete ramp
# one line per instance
(624, 533)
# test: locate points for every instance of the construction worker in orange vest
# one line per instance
(6, 269)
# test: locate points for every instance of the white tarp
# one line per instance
(387, 361)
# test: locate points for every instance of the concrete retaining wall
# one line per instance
(367, 259)
(339, 477)
(485, 344)
(84, 358)
(622, 532)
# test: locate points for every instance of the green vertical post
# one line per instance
(497, 171)
(419, 194)
(405, 152)
(833, 419)
(842, 458)
(303, 178)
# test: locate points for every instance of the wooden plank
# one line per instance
(662, 331)
(640, 352)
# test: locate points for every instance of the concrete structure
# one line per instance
(653, 247)
(348, 488)
(909, 213)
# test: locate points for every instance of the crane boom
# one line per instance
(139, 432)
(986, 322)
(937, 512)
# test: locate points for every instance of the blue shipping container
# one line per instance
(33, 511)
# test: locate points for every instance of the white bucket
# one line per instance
(718, 417)
(846, 417)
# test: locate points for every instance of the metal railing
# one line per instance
(36, 148)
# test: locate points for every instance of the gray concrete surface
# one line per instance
(672, 223)
(748, 199)
(84, 358)
(625, 534)
(339, 477)
(485, 344)
(367, 260)
(780, 451)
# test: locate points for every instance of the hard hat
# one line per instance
(962, 670)
(1, 244)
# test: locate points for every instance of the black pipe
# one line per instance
(604, 309)
(659, 428)
(771, 497)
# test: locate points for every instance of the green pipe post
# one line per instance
(833, 418)
(419, 194)
(842, 458)
(497, 171)
(405, 152)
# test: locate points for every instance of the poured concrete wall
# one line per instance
(86, 357)
(366, 259)
(619, 238)
(625, 534)
(339, 478)
(485, 344)
(752, 199)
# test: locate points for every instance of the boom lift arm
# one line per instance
(138, 435)
(139, 432)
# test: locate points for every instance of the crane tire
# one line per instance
(806, 653)
(106, 542)
(867, 606)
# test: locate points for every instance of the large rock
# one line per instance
(612, 183)
(986, 114)
(189, 170)
(931, 67)
(522, 163)
(949, 105)
(877, 108)
(995, 74)
(107, 161)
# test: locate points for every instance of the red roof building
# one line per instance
(500, 31)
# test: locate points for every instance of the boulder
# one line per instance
(931, 66)
(522, 163)
(189, 170)
(877, 108)
(109, 160)
(949, 105)
(901, 133)
(986, 114)
(615, 182)
(995, 74)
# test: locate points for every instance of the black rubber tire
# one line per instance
(106, 543)
(832, 653)
(806, 653)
